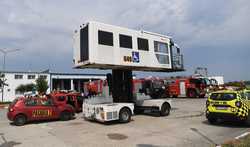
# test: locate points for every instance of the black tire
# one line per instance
(192, 93)
(138, 111)
(65, 115)
(125, 115)
(165, 109)
(247, 120)
(212, 120)
(20, 120)
(202, 96)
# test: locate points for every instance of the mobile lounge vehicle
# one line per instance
(102, 46)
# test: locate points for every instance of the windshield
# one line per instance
(223, 96)
(198, 81)
(248, 95)
(207, 81)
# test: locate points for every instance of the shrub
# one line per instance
(41, 85)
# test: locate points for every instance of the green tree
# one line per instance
(41, 85)
(21, 88)
(25, 88)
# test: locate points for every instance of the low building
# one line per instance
(56, 81)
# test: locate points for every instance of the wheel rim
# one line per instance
(166, 111)
(20, 120)
(125, 116)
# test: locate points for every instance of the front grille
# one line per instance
(221, 105)
(115, 115)
(112, 115)
(109, 115)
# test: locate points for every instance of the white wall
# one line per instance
(9, 91)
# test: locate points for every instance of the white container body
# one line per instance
(96, 55)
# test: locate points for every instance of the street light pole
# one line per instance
(5, 52)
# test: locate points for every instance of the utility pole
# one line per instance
(5, 52)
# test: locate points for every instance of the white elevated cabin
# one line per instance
(98, 45)
(103, 46)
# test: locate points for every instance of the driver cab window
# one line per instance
(47, 102)
(247, 95)
(161, 52)
(61, 98)
(31, 102)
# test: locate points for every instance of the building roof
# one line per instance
(54, 73)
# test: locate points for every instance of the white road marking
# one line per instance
(242, 135)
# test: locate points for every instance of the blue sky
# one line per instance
(213, 34)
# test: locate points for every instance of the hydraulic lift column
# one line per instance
(121, 87)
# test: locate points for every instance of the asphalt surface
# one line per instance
(185, 126)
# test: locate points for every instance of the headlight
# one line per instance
(238, 104)
(102, 115)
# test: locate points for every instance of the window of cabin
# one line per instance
(125, 41)
(160, 47)
(84, 43)
(161, 52)
(142, 44)
(105, 38)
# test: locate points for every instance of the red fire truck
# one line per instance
(152, 86)
(186, 87)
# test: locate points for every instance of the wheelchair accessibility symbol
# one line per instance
(135, 57)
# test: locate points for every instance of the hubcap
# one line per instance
(20, 120)
(125, 116)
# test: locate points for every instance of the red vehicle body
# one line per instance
(154, 87)
(94, 87)
(52, 107)
(186, 87)
(73, 98)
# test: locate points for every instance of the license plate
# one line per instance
(221, 108)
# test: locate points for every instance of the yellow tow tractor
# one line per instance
(227, 104)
